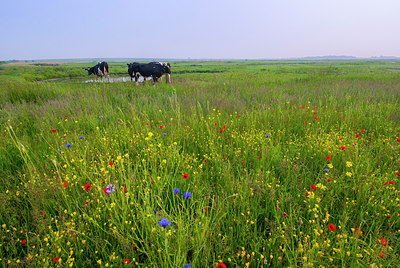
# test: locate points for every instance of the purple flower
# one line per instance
(176, 190)
(164, 222)
(187, 195)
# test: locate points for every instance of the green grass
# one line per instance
(253, 138)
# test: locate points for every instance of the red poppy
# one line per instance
(383, 241)
(86, 203)
(331, 227)
(215, 124)
(242, 161)
(386, 183)
(23, 242)
(398, 139)
(126, 262)
(111, 163)
(285, 214)
(152, 182)
(133, 246)
(388, 216)
(397, 173)
(329, 179)
(53, 130)
(205, 160)
(65, 184)
(123, 188)
(391, 182)
(88, 186)
(105, 189)
(55, 259)
(382, 255)
(205, 210)
(259, 156)
(161, 126)
(342, 148)
(221, 130)
(316, 118)
(328, 157)
(358, 231)
(223, 127)
(221, 265)
(362, 130)
(305, 122)
(307, 193)
(357, 135)
(314, 187)
(185, 176)
(284, 122)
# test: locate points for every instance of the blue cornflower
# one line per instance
(68, 145)
(59, 151)
(164, 222)
(81, 137)
(100, 116)
(187, 266)
(326, 170)
(155, 211)
(187, 195)
(267, 135)
(165, 134)
(109, 189)
(176, 190)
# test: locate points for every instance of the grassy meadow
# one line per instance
(241, 163)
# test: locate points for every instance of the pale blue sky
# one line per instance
(250, 29)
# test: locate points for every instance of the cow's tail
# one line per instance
(106, 69)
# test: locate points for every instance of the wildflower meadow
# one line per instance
(233, 164)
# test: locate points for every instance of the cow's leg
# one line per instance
(154, 79)
(137, 79)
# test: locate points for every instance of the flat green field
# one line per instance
(240, 163)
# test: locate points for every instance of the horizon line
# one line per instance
(327, 57)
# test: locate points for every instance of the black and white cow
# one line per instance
(155, 70)
(100, 69)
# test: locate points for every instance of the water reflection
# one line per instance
(88, 79)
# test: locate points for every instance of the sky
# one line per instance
(203, 29)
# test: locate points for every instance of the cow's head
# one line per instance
(90, 70)
(166, 67)
(167, 71)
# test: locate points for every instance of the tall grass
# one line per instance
(250, 144)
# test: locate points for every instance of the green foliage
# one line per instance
(253, 138)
